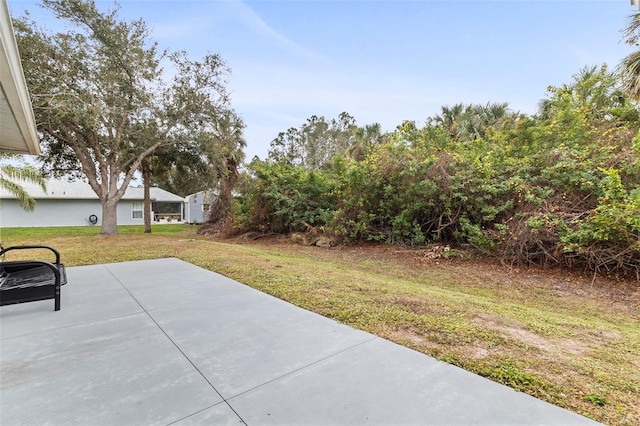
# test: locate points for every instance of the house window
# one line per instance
(136, 210)
(206, 207)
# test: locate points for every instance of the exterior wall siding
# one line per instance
(194, 208)
(125, 213)
(61, 213)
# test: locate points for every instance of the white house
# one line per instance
(198, 206)
(73, 203)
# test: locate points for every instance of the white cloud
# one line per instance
(255, 23)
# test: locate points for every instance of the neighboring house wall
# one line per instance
(48, 213)
(197, 206)
(65, 213)
(73, 203)
(126, 210)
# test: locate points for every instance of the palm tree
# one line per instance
(227, 158)
(470, 122)
(594, 91)
(449, 119)
(629, 68)
(11, 175)
(364, 140)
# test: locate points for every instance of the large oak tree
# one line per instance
(103, 102)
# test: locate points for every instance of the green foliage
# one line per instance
(615, 219)
(102, 102)
(314, 144)
(629, 67)
(285, 198)
(11, 176)
(470, 122)
(596, 399)
(204, 163)
(412, 190)
(508, 373)
(561, 187)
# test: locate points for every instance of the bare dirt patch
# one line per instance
(552, 348)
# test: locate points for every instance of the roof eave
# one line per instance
(19, 133)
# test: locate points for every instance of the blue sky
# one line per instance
(381, 61)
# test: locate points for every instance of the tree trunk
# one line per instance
(226, 197)
(146, 181)
(109, 218)
(223, 205)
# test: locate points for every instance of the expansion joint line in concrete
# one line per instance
(180, 350)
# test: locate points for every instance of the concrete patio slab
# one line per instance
(116, 371)
(165, 342)
(100, 297)
(219, 415)
(370, 383)
(250, 344)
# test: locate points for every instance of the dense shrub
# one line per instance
(283, 198)
(562, 187)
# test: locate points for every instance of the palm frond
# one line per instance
(24, 199)
(11, 175)
(631, 32)
(629, 72)
(25, 174)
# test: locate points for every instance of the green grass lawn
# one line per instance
(556, 336)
